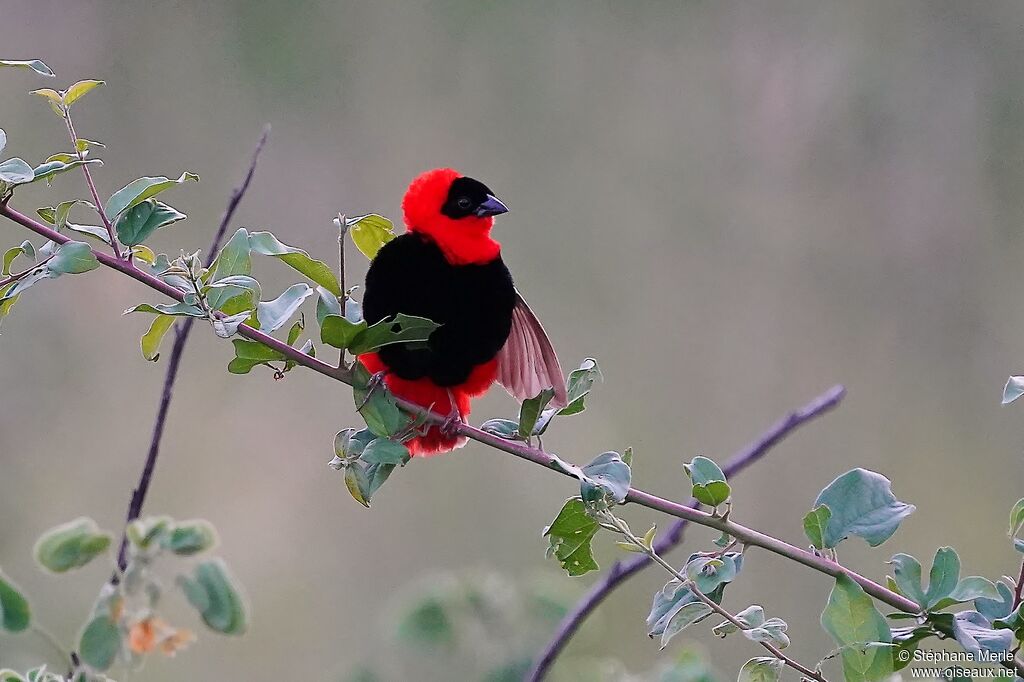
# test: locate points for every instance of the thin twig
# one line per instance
(621, 571)
(181, 335)
(342, 231)
(710, 603)
(747, 536)
(92, 185)
(1018, 590)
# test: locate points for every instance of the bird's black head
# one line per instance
(469, 197)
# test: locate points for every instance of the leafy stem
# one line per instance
(92, 185)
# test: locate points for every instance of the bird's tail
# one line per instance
(428, 394)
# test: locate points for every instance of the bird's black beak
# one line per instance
(490, 206)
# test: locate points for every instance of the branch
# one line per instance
(181, 335)
(621, 571)
(742, 533)
(92, 185)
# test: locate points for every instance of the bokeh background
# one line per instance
(731, 205)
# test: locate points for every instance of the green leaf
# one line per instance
(326, 304)
(1016, 514)
(996, 607)
(338, 332)
(16, 172)
(862, 504)
(72, 258)
(851, 617)
(213, 592)
(176, 309)
(1014, 389)
(71, 545)
(570, 536)
(25, 249)
(363, 480)
(8, 675)
(531, 410)
(248, 354)
(675, 607)
(708, 573)
(379, 410)
(761, 669)
(974, 633)
(190, 537)
(750, 617)
(82, 144)
(3, 139)
(100, 643)
(428, 625)
(79, 90)
(971, 588)
(402, 329)
(34, 64)
(234, 259)
(266, 244)
(907, 572)
(709, 484)
(943, 577)
(578, 386)
(385, 451)
(502, 428)
(227, 326)
(137, 191)
(605, 481)
(815, 523)
(52, 167)
(151, 339)
(58, 217)
(272, 315)
(370, 232)
(136, 224)
(15, 614)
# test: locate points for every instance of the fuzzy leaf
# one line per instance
(15, 614)
(71, 545)
(34, 64)
(151, 340)
(570, 536)
(213, 592)
(79, 90)
(136, 224)
(709, 484)
(137, 191)
(272, 315)
(862, 503)
(851, 617)
(402, 329)
(100, 643)
(266, 244)
(370, 233)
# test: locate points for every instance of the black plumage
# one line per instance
(472, 303)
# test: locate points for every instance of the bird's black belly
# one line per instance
(472, 303)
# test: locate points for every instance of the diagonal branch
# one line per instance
(744, 534)
(181, 335)
(621, 571)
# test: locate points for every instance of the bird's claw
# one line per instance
(373, 384)
(450, 426)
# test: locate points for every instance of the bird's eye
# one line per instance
(464, 202)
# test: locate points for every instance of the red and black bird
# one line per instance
(447, 268)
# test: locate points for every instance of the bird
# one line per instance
(446, 267)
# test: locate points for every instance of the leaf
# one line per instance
(82, 144)
(71, 545)
(428, 625)
(34, 64)
(402, 329)
(1014, 389)
(761, 669)
(136, 224)
(943, 577)
(213, 592)
(266, 244)
(851, 617)
(326, 304)
(248, 354)
(907, 571)
(1016, 514)
(3, 139)
(709, 484)
(578, 386)
(72, 258)
(188, 538)
(151, 340)
(385, 451)
(998, 607)
(16, 172)
(168, 309)
(750, 617)
(52, 167)
(338, 332)
(272, 315)
(605, 481)
(531, 410)
(233, 259)
(862, 504)
(772, 631)
(8, 675)
(370, 232)
(570, 536)
(227, 326)
(15, 614)
(137, 191)
(974, 633)
(379, 410)
(815, 523)
(709, 573)
(25, 249)
(971, 588)
(364, 480)
(676, 607)
(100, 643)
(502, 428)
(79, 90)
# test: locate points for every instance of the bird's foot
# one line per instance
(374, 384)
(450, 426)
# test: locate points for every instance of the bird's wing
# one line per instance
(527, 364)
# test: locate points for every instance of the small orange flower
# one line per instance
(142, 636)
(152, 633)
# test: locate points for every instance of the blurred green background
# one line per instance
(731, 205)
